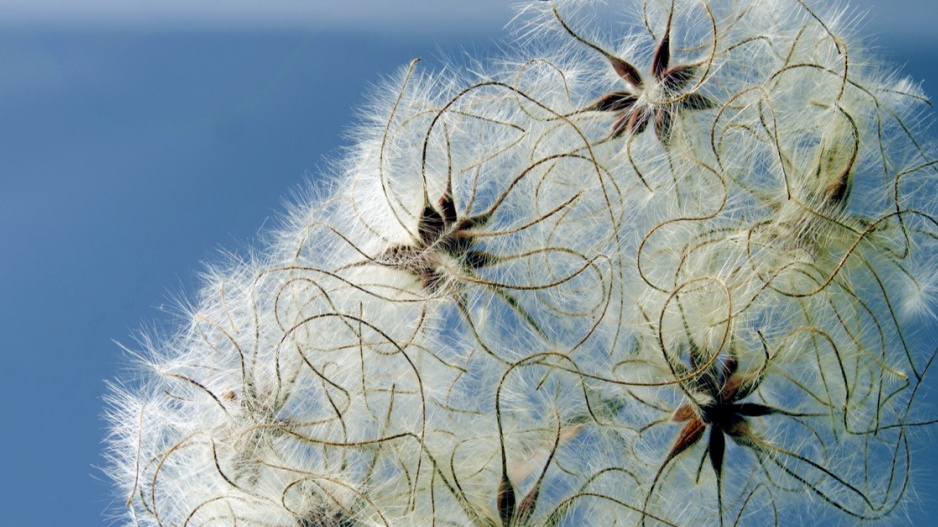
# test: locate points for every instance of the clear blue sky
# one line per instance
(137, 142)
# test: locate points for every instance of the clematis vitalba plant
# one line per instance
(507, 313)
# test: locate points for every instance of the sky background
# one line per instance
(139, 139)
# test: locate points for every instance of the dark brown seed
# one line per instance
(431, 225)
(684, 413)
(400, 257)
(505, 501)
(627, 71)
(615, 102)
(526, 507)
(479, 259)
(618, 127)
(696, 101)
(754, 409)
(690, 434)
(837, 191)
(677, 78)
(717, 449)
(637, 122)
(472, 222)
(662, 56)
(448, 206)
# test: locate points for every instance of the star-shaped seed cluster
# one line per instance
(723, 388)
(441, 235)
(661, 98)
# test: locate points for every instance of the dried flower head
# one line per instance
(503, 316)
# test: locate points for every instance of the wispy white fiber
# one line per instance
(662, 263)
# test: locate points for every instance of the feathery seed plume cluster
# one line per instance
(675, 274)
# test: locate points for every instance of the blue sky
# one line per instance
(907, 17)
(398, 16)
(139, 139)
